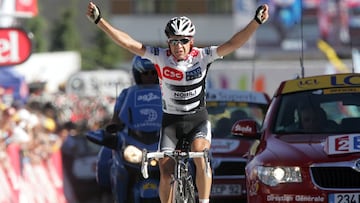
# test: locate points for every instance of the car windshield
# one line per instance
(319, 112)
(223, 115)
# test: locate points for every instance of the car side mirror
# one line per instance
(245, 128)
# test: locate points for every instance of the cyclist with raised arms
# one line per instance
(182, 69)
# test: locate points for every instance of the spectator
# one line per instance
(222, 128)
(314, 119)
(311, 119)
(238, 115)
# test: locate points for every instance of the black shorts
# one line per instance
(175, 127)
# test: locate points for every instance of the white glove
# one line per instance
(94, 14)
(259, 15)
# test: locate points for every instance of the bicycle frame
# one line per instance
(181, 177)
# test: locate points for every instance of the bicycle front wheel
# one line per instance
(185, 191)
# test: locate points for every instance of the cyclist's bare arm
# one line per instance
(238, 39)
(118, 36)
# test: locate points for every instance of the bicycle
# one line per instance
(182, 181)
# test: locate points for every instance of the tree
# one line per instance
(97, 51)
(36, 27)
(104, 53)
(64, 33)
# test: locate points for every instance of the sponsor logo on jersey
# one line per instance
(172, 74)
(208, 51)
(193, 74)
(155, 51)
(194, 52)
(185, 95)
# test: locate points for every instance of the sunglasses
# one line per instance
(182, 41)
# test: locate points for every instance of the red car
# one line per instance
(308, 149)
(228, 152)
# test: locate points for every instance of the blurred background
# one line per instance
(59, 74)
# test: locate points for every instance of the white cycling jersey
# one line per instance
(182, 82)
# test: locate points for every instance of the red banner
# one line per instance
(15, 46)
(23, 180)
(26, 7)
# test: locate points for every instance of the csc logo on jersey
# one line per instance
(172, 74)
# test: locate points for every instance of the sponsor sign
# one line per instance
(146, 98)
(342, 144)
(326, 81)
(242, 127)
(12, 9)
(100, 82)
(224, 145)
(27, 7)
(293, 198)
(236, 96)
(15, 46)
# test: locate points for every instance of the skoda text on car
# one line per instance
(228, 161)
(294, 160)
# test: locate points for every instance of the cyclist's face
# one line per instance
(180, 46)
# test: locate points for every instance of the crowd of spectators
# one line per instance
(34, 133)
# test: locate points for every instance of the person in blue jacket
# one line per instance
(144, 73)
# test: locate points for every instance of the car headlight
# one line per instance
(132, 154)
(273, 176)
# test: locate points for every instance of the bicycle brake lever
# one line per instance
(144, 164)
(207, 162)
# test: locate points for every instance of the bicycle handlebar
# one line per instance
(159, 155)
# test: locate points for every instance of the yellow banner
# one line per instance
(321, 82)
